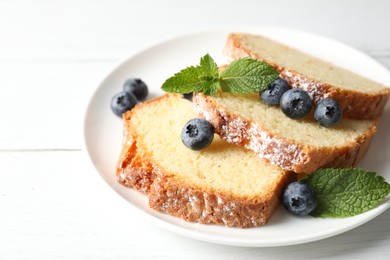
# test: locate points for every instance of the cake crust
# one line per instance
(172, 195)
(354, 104)
(275, 148)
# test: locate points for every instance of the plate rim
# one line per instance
(199, 235)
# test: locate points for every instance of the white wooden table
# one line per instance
(53, 54)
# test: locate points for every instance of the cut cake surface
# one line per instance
(222, 184)
(358, 96)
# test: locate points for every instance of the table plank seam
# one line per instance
(41, 150)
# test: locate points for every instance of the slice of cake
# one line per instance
(222, 184)
(358, 97)
(301, 146)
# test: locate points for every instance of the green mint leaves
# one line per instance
(204, 77)
(245, 75)
(346, 192)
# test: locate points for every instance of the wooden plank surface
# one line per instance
(68, 211)
(53, 54)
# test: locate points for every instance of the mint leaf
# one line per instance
(187, 80)
(247, 75)
(209, 67)
(212, 87)
(199, 78)
(346, 192)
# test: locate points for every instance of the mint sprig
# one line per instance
(209, 67)
(245, 75)
(346, 192)
(187, 80)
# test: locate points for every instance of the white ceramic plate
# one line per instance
(103, 132)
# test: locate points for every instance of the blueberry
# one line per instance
(295, 103)
(272, 95)
(137, 87)
(197, 134)
(327, 112)
(299, 199)
(188, 96)
(122, 102)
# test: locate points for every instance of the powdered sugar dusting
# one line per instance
(234, 130)
(276, 151)
(238, 130)
(316, 89)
